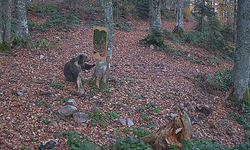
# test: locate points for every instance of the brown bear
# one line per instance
(72, 69)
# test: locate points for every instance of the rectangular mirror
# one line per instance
(100, 36)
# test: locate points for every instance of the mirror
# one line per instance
(100, 35)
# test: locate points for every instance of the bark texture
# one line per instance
(21, 19)
(240, 75)
(8, 23)
(180, 128)
(154, 16)
(101, 73)
(179, 26)
(1, 20)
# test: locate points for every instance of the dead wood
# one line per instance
(230, 91)
(204, 87)
(180, 128)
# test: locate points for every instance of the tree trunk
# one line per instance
(180, 128)
(240, 75)
(168, 4)
(179, 26)
(101, 73)
(21, 19)
(8, 23)
(155, 34)
(154, 16)
(1, 22)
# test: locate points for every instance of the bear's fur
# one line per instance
(72, 68)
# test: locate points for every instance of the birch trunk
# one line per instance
(179, 26)
(8, 24)
(1, 21)
(101, 73)
(21, 19)
(240, 75)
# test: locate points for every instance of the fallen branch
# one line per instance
(229, 92)
(204, 88)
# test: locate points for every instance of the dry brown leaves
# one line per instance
(138, 77)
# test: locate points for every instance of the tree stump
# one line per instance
(180, 128)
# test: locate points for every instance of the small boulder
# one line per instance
(67, 110)
(122, 121)
(130, 122)
(71, 102)
(80, 117)
(173, 115)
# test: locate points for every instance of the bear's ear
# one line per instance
(73, 60)
(80, 59)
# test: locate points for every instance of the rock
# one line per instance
(164, 70)
(82, 91)
(122, 121)
(80, 117)
(48, 145)
(113, 142)
(181, 106)
(13, 121)
(152, 47)
(71, 102)
(173, 115)
(130, 122)
(9, 146)
(15, 64)
(207, 106)
(192, 108)
(41, 56)
(19, 93)
(67, 110)
(186, 109)
(129, 23)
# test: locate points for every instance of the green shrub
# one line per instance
(223, 79)
(131, 142)
(56, 86)
(142, 8)
(192, 37)
(77, 141)
(168, 35)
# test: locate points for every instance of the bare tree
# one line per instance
(21, 19)
(240, 75)
(101, 73)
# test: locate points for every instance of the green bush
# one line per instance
(142, 8)
(168, 35)
(223, 79)
(131, 142)
(192, 37)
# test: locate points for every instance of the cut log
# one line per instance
(180, 128)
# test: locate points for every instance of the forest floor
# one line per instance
(145, 86)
